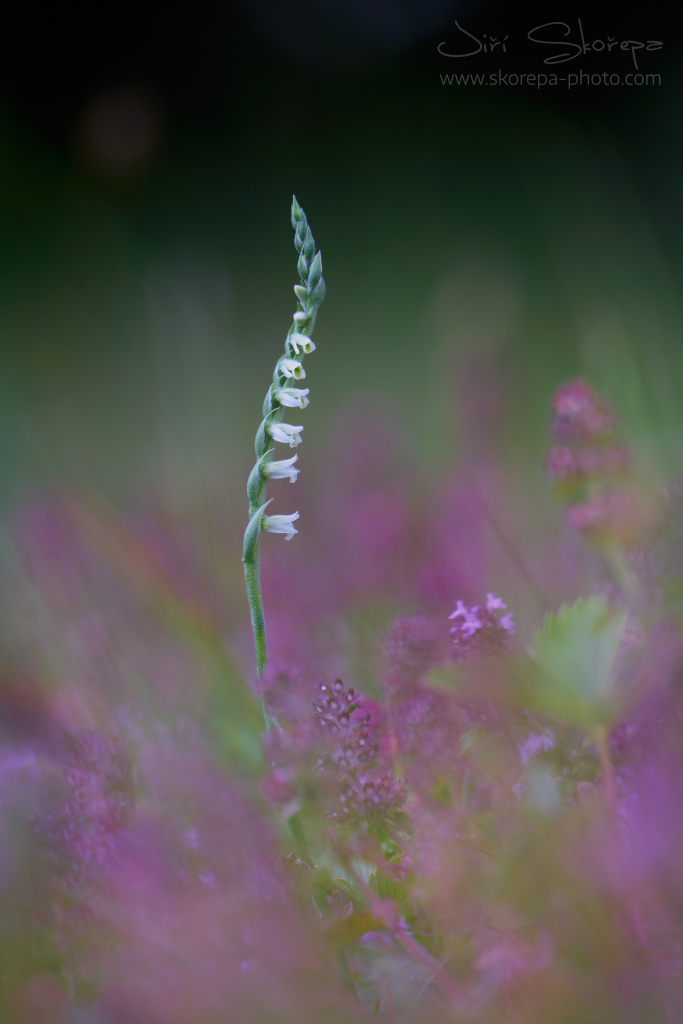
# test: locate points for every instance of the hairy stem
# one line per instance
(252, 579)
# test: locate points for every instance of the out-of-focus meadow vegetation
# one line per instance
(481, 247)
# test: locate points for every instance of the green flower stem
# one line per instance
(288, 370)
(252, 578)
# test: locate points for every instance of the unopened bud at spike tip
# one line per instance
(315, 272)
(309, 247)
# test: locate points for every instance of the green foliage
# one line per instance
(574, 655)
(343, 931)
(388, 888)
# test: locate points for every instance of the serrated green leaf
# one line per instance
(574, 655)
(352, 893)
(300, 874)
(387, 888)
(323, 877)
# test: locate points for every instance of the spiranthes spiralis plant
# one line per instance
(281, 395)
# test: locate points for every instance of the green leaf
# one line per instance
(350, 891)
(387, 888)
(574, 657)
(403, 821)
(252, 533)
(343, 931)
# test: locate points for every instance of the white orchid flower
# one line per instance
(291, 368)
(286, 433)
(293, 397)
(282, 469)
(297, 340)
(280, 524)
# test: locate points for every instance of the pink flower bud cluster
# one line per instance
(580, 415)
(584, 466)
(372, 799)
(585, 425)
(570, 464)
(337, 709)
(362, 794)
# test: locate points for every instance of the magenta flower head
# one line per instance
(580, 414)
(480, 631)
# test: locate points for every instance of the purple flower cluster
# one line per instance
(580, 415)
(364, 791)
(571, 464)
(591, 468)
(480, 631)
(371, 798)
(340, 713)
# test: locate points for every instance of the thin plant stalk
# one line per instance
(281, 394)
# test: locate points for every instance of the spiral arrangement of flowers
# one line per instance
(310, 294)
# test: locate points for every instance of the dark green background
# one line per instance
(532, 234)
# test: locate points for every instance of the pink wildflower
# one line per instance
(479, 631)
(371, 798)
(580, 414)
(617, 513)
(562, 463)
